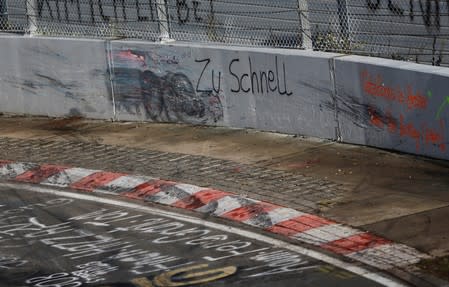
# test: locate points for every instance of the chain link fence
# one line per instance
(412, 30)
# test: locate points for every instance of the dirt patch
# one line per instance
(438, 267)
(62, 124)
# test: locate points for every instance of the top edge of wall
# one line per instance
(401, 65)
(280, 51)
(9, 36)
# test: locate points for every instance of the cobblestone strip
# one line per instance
(281, 187)
(301, 226)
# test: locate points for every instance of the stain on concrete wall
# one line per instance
(152, 86)
(381, 103)
(54, 77)
(403, 107)
(275, 90)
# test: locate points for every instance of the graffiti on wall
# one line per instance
(192, 10)
(165, 94)
(184, 11)
(36, 83)
(174, 86)
(401, 105)
(97, 11)
(245, 77)
(429, 10)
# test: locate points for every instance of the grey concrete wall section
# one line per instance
(393, 105)
(54, 77)
(369, 101)
(162, 83)
(275, 90)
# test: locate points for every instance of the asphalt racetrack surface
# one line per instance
(53, 240)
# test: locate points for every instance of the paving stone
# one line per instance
(281, 187)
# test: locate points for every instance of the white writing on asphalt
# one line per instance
(78, 243)
(93, 272)
(55, 280)
(11, 262)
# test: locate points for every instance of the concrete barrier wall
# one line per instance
(276, 90)
(394, 105)
(54, 77)
(369, 101)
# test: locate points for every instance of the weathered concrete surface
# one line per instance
(381, 103)
(54, 77)
(381, 188)
(426, 230)
(273, 90)
(284, 91)
(393, 105)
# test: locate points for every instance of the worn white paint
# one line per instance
(375, 276)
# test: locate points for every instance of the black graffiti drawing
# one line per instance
(431, 16)
(40, 81)
(374, 5)
(183, 11)
(2, 10)
(349, 106)
(430, 10)
(181, 6)
(145, 10)
(168, 98)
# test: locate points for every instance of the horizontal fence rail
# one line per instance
(411, 30)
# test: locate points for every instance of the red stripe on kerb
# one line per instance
(298, 224)
(355, 243)
(200, 198)
(250, 211)
(40, 173)
(147, 189)
(5, 162)
(95, 180)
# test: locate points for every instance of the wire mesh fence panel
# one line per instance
(412, 30)
(93, 18)
(242, 22)
(328, 31)
(13, 16)
(103, 18)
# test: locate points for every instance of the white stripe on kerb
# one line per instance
(282, 214)
(125, 182)
(15, 169)
(224, 204)
(164, 198)
(188, 188)
(388, 256)
(326, 233)
(273, 217)
(68, 176)
(169, 197)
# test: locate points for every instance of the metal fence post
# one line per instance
(31, 16)
(3, 13)
(344, 20)
(163, 20)
(304, 24)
